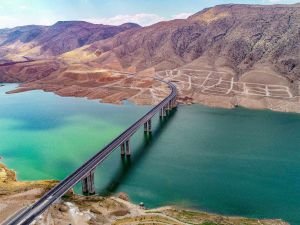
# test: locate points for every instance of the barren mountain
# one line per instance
(227, 55)
(240, 37)
(44, 41)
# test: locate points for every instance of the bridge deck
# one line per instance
(26, 216)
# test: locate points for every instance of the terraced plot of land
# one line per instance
(221, 83)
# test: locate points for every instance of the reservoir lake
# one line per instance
(233, 162)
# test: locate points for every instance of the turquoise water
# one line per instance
(234, 162)
(44, 136)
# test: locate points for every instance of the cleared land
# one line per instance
(259, 89)
(222, 89)
(220, 83)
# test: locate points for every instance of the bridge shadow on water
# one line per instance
(127, 164)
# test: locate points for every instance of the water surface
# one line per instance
(44, 136)
(234, 162)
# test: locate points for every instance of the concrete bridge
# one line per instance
(85, 173)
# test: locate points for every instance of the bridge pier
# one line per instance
(149, 126)
(173, 103)
(164, 111)
(161, 113)
(122, 149)
(127, 148)
(88, 184)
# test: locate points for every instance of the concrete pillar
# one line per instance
(88, 184)
(149, 126)
(127, 147)
(161, 113)
(174, 103)
(122, 149)
(84, 185)
(165, 111)
(146, 127)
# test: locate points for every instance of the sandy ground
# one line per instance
(221, 89)
(215, 88)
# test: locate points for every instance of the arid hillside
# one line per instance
(225, 56)
(45, 41)
(239, 37)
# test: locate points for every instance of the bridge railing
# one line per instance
(29, 214)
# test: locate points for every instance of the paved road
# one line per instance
(27, 215)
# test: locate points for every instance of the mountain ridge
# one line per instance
(186, 40)
(63, 36)
(225, 56)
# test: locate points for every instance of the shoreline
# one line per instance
(117, 210)
(31, 185)
(213, 101)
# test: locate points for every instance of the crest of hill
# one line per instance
(54, 40)
(239, 37)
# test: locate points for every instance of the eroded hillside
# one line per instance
(228, 56)
(48, 41)
(239, 37)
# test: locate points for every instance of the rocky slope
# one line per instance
(241, 37)
(64, 36)
(228, 56)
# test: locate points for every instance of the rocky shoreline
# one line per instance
(143, 97)
(81, 210)
(204, 85)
